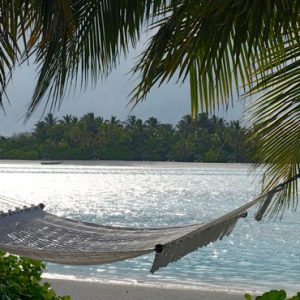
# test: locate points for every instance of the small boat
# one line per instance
(51, 162)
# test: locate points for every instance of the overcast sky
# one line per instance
(168, 103)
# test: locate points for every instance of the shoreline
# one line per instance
(124, 163)
(97, 290)
(196, 286)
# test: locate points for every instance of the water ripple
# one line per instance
(256, 255)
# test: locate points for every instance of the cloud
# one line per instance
(167, 103)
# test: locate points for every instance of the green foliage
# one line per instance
(255, 52)
(207, 139)
(20, 279)
(274, 295)
(72, 42)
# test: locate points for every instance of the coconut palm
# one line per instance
(40, 130)
(246, 47)
(66, 120)
(70, 41)
(219, 46)
(50, 120)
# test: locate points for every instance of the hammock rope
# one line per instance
(31, 231)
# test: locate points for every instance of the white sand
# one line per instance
(86, 290)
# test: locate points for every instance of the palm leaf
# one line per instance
(82, 41)
(72, 41)
(216, 45)
(9, 33)
(276, 116)
(222, 45)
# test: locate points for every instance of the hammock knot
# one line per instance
(244, 215)
(19, 210)
(159, 248)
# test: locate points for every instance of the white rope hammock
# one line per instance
(35, 233)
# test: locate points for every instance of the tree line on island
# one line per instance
(202, 139)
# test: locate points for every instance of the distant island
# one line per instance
(203, 139)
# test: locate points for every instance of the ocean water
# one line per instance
(256, 256)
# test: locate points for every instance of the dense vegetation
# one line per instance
(207, 139)
(274, 295)
(20, 278)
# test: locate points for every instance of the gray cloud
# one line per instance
(167, 103)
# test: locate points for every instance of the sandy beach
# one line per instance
(79, 290)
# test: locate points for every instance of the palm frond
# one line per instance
(223, 45)
(276, 116)
(83, 40)
(216, 45)
(10, 11)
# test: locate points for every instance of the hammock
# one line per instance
(35, 233)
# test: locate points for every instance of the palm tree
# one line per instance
(66, 120)
(114, 122)
(65, 39)
(74, 120)
(248, 46)
(136, 136)
(220, 46)
(50, 120)
(40, 130)
(88, 123)
(235, 137)
(186, 125)
(130, 122)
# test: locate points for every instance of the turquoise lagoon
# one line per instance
(257, 256)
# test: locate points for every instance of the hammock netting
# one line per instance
(35, 233)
